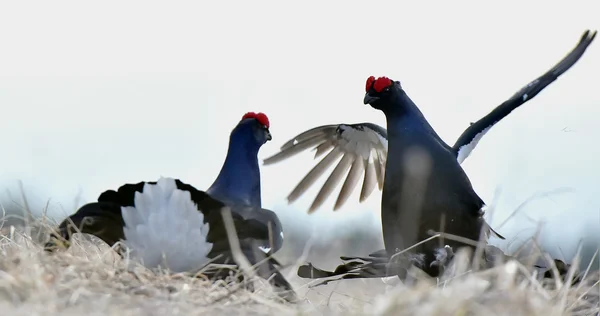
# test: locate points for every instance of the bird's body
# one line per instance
(171, 224)
(425, 188)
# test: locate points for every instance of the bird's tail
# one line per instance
(165, 227)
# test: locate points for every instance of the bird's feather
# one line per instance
(467, 141)
(172, 223)
(165, 228)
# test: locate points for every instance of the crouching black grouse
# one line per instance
(172, 224)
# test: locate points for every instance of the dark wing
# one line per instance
(373, 266)
(471, 136)
(259, 232)
(377, 265)
(101, 219)
(261, 228)
(273, 240)
(363, 148)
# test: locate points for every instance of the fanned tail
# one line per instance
(166, 228)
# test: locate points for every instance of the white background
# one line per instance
(93, 95)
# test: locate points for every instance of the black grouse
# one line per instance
(425, 189)
(171, 223)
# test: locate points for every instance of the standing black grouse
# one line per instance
(425, 187)
(171, 223)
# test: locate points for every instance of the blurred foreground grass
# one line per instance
(91, 279)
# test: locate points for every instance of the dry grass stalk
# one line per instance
(91, 278)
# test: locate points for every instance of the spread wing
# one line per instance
(363, 151)
(363, 147)
(471, 136)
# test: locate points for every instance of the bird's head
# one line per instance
(253, 126)
(381, 91)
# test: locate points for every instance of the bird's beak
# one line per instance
(369, 99)
(269, 137)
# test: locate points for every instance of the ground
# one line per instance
(91, 279)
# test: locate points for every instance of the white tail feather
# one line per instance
(165, 228)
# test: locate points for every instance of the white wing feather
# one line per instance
(362, 151)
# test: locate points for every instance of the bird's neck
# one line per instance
(408, 132)
(239, 179)
(403, 116)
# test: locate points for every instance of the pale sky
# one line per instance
(94, 95)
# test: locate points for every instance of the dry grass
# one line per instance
(91, 279)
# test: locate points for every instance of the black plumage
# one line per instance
(171, 217)
(424, 186)
(104, 220)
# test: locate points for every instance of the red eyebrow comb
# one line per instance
(260, 117)
(370, 81)
(382, 83)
